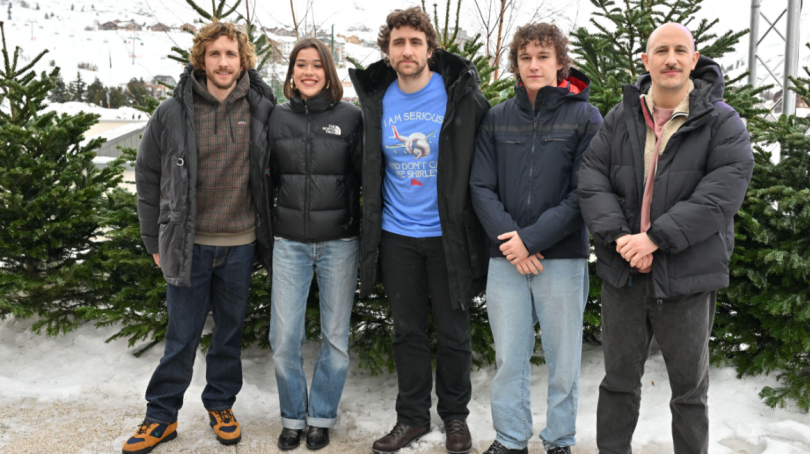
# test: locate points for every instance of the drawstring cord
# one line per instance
(230, 121)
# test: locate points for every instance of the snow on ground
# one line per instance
(52, 385)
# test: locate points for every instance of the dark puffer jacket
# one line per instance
(463, 237)
(701, 182)
(526, 168)
(166, 176)
(315, 163)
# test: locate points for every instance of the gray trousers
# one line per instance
(682, 325)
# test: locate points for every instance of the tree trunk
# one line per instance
(497, 61)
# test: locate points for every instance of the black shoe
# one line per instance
(317, 438)
(498, 448)
(289, 439)
(559, 450)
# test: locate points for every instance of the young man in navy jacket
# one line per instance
(524, 190)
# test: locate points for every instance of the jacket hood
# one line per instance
(184, 91)
(709, 85)
(379, 76)
(575, 87)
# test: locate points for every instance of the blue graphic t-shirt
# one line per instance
(410, 146)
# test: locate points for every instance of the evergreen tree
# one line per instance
(77, 88)
(50, 195)
(611, 56)
(138, 92)
(763, 320)
(96, 92)
(59, 93)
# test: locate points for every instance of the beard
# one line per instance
(415, 75)
(212, 79)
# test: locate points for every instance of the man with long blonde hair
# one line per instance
(203, 215)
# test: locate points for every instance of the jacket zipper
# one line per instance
(307, 147)
(531, 160)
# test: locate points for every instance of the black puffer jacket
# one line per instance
(166, 177)
(315, 163)
(463, 237)
(701, 182)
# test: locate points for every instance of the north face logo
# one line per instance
(332, 129)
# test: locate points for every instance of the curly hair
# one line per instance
(546, 35)
(414, 17)
(211, 32)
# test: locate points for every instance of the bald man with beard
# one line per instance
(659, 187)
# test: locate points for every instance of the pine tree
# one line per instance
(77, 88)
(59, 93)
(95, 93)
(763, 320)
(611, 57)
(50, 194)
(137, 91)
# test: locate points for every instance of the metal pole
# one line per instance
(791, 56)
(752, 45)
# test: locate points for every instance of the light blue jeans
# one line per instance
(335, 264)
(515, 303)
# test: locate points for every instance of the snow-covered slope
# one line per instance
(69, 44)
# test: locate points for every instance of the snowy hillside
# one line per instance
(69, 43)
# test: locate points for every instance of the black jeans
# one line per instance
(414, 272)
(220, 279)
(682, 325)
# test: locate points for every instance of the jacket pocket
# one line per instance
(707, 257)
(477, 243)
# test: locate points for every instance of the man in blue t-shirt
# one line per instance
(421, 107)
(411, 150)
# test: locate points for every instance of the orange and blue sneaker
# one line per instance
(225, 426)
(149, 435)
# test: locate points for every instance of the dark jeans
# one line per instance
(414, 271)
(682, 325)
(220, 279)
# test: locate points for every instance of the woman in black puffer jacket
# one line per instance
(315, 166)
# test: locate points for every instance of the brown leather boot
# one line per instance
(459, 440)
(399, 437)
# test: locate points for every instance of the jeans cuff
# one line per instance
(509, 444)
(324, 423)
(157, 421)
(294, 424)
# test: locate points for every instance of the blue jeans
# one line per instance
(220, 280)
(556, 298)
(335, 264)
